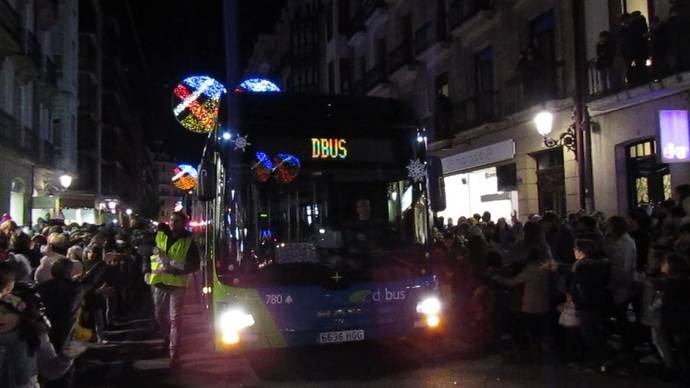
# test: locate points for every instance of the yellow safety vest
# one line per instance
(177, 255)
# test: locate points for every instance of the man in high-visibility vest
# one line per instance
(174, 256)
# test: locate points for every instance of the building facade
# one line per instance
(477, 72)
(38, 103)
(168, 195)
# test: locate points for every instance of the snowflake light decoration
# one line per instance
(241, 142)
(416, 170)
(196, 101)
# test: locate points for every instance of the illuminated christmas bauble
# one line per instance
(185, 177)
(287, 167)
(257, 85)
(196, 102)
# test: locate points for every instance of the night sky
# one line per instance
(177, 39)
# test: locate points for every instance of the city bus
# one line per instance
(317, 223)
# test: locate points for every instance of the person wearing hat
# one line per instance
(57, 249)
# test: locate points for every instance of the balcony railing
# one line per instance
(47, 153)
(30, 47)
(8, 129)
(367, 9)
(374, 76)
(400, 56)
(49, 71)
(427, 35)
(477, 110)
(523, 90)
(30, 141)
(461, 11)
(9, 19)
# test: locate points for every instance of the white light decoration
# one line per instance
(65, 181)
(416, 170)
(112, 205)
(544, 122)
(226, 136)
(241, 142)
(129, 212)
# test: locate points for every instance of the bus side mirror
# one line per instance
(206, 184)
(436, 187)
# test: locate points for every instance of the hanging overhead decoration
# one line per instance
(287, 167)
(416, 170)
(263, 167)
(196, 102)
(185, 177)
(241, 142)
(284, 166)
(257, 85)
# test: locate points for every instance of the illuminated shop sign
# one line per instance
(328, 148)
(674, 136)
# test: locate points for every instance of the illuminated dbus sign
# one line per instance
(328, 148)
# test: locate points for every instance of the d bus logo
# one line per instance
(325, 148)
(380, 295)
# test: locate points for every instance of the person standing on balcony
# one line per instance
(637, 35)
(658, 43)
(606, 55)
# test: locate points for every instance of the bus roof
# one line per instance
(324, 111)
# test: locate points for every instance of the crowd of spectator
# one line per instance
(61, 286)
(638, 50)
(596, 293)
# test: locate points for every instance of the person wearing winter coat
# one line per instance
(675, 309)
(652, 298)
(25, 350)
(57, 249)
(588, 291)
(536, 302)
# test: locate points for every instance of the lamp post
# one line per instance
(544, 123)
(65, 181)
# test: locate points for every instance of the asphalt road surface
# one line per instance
(133, 359)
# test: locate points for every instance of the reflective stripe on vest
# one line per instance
(177, 254)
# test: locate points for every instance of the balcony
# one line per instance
(10, 41)
(48, 79)
(29, 60)
(30, 141)
(461, 11)
(8, 130)
(46, 13)
(47, 152)
(375, 76)
(429, 39)
(368, 10)
(521, 92)
(401, 61)
(477, 110)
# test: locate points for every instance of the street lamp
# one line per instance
(129, 212)
(112, 205)
(544, 122)
(65, 181)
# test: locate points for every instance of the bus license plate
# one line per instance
(333, 337)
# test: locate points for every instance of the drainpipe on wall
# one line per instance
(583, 133)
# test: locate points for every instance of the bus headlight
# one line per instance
(429, 306)
(232, 322)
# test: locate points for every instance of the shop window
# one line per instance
(551, 181)
(649, 182)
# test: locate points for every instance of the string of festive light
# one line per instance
(197, 103)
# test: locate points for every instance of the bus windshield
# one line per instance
(320, 200)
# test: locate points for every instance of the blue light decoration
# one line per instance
(263, 168)
(257, 85)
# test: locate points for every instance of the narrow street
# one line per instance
(134, 357)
